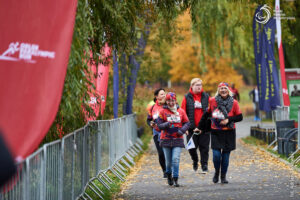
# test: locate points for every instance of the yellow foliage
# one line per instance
(185, 60)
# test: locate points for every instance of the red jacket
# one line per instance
(173, 126)
(153, 114)
(218, 115)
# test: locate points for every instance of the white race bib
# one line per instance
(198, 104)
(174, 119)
(217, 114)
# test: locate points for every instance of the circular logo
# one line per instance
(263, 15)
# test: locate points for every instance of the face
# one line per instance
(171, 102)
(161, 95)
(196, 88)
(223, 92)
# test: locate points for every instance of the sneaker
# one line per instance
(195, 166)
(204, 170)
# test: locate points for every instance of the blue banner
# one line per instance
(116, 83)
(260, 69)
(272, 98)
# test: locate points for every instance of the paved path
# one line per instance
(252, 174)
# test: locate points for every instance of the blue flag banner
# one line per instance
(116, 83)
(272, 98)
(260, 69)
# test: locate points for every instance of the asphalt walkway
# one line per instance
(252, 174)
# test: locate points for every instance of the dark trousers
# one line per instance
(161, 156)
(202, 143)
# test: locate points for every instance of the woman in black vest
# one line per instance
(195, 103)
(224, 112)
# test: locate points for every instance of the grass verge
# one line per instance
(256, 142)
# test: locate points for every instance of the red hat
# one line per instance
(223, 84)
(171, 95)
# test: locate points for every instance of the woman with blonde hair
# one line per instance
(224, 112)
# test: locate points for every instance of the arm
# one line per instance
(236, 118)
(202, 122)
(161, 124)
(184, 128)
(149, 119)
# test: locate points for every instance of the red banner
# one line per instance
(35, 42)
(100, 79)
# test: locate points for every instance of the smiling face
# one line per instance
(161, 96)
(197, 87)
(223, 91)
(171, 102)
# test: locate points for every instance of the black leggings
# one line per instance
(161, 156)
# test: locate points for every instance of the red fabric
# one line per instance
(171, 95)
(176, 122)
(98, 95)
(198, 111)
(154, 113)
(235, 92)
(223, 85)
(212, 108)
(102, 78)
(35, 42)
(285, 94)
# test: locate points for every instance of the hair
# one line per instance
(194, 80)
(156, 92)
(229, 91)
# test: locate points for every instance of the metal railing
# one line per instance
(63, 169)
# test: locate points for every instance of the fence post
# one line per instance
(61, 170)
(43, 173)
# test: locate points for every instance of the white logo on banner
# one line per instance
(26, 51)
(263, 15)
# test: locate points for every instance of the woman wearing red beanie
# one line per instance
(173, 122)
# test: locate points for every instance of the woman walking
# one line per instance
(224, 112)
(173, 122)
(153, 112)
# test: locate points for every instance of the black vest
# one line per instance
(190, 107)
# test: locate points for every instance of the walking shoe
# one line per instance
(165, 175)
(176, 182)
(216, 177)
(223, 179)
(170, 179)
(204, 170)
(195, 166)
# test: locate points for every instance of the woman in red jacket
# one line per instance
(173, 122)
(224, 112)
(153, 112)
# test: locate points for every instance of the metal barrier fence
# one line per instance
(63, 169)
(265, 134)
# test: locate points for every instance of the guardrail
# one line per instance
(63, 169)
